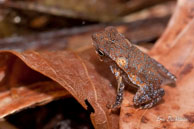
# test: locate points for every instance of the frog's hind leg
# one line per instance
(147, 96)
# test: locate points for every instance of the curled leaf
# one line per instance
(77, 75)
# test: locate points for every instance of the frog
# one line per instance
(132, 67)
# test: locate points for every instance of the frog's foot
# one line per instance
(151, 104)
(147, 97)
(119, 96)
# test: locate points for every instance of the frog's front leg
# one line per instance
(120, 87)
(147, 96)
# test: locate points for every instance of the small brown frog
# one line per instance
(133, 67)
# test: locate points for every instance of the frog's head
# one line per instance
(110, 45)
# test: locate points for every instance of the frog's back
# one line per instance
(143, 70)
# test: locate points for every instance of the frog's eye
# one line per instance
(101, 53)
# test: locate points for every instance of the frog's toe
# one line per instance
(141, 99)
(152, 103)
(149, 105)
(159, 93)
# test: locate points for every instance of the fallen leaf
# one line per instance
(26, 96)
(77, 74)
(21, 87)
(182, 16)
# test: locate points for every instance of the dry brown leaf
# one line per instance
(77, 74)
(181, 17)
(21, 87)
(26, 96)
